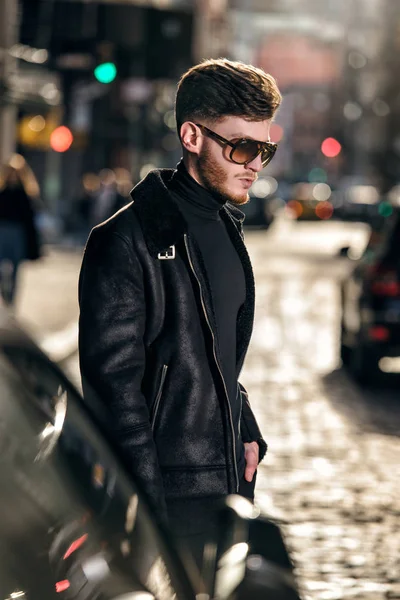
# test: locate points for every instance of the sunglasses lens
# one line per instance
(245, 152)
(267, 155)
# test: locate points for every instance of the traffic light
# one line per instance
(105, 72)
(61, 139)
(331, 147)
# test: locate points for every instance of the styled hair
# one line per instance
(218, 88)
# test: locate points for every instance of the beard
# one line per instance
(213, 177)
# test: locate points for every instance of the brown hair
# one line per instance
(218, 88)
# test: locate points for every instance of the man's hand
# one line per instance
(251, 457)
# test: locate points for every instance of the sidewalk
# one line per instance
(47, 297)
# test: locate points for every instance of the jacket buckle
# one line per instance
(168, 254)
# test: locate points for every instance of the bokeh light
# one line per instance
(324, 210)
(380, 107)
(322, 192)
(37, 123)
(61, 139)
(357, 60)
(295, 208)
(106, 72)
(264, 186)
(317, 175)
(169, 119)
(276, 133)
(352, 111)
(385, 209)
(330, 147)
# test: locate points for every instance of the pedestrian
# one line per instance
(19, 239)
(107, 200)
(167, 305)
(80, 220)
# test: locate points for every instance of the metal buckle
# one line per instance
(168, 254)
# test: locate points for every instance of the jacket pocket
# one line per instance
(157, 401)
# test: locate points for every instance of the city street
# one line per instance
(332, 471)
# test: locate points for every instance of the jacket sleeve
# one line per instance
(249, 427)
(112, 354)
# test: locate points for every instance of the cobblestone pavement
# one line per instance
(332, 472)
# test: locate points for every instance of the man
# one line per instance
(167, 303)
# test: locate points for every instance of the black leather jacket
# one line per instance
(147, 348)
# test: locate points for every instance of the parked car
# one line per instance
(370, 328)
(311, 201)
(74, 525)
(360, 202)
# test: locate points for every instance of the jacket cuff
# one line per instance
(263, 447)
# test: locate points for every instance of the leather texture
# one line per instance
(146, 348)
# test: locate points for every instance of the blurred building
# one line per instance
(364, 109)
(117, 122)
(8, 37)
(335, 61)
(303, 50)
(387, 150)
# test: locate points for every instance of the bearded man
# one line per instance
(167, 304)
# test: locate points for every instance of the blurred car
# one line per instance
(370, 296)
(74, 525)
(310, 202)
(359, 200)
(265, 197)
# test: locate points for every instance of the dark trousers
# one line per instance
(195, 522)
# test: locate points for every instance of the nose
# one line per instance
(255, 164)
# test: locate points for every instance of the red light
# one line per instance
(75, 545)
(378, 333)
(330, 147)
(384, 281)
(63, 585)
(324, 210)
(385, 288)
(61, 139)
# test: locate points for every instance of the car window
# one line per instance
(73, 520)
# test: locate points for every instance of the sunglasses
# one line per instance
(245, 150)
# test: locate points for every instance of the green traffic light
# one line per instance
(105, 72)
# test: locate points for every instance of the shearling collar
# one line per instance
(161, 220)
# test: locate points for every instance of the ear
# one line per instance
(191, 137)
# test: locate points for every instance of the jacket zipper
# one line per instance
(159, 394)
(241, 406)
(216, 361)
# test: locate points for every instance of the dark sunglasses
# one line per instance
(245, 150)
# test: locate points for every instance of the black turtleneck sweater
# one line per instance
(225, 275)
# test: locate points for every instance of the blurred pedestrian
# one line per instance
(167, 305)
(18, 233)
(107, 200)
(80, 221)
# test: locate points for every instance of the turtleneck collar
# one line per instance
(194, 200)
